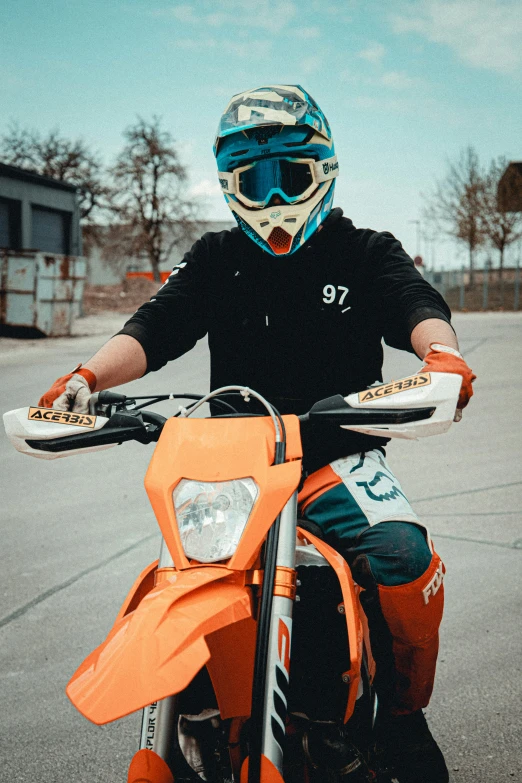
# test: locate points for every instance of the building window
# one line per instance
(51, 230)
(10, 224)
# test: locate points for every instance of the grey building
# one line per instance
(41, 271)
(38, 213)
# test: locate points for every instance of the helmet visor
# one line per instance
(290, 178)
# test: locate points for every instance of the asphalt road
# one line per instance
(75, 533)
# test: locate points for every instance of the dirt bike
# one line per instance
(242, 588)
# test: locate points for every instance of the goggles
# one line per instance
(293, 179)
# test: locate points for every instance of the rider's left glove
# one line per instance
(442, 358)
(71, 392)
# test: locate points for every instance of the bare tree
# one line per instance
(457, 203)
(500, 227)
(55, 156)
(148, 195)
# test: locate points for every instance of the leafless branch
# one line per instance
(456, 204)
(56, 156)
(148, 195)
(500, 227)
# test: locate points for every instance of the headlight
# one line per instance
(211, 516)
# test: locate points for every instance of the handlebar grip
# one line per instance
(110, 398)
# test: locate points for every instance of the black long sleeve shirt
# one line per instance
(295, 328)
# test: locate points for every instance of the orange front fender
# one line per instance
(157, 649)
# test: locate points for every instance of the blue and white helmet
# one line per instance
(276, 165)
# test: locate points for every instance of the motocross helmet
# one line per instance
(275, 143)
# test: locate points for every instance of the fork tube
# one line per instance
(159, 721)
(278, 663)
(165, 558)
(158, 725)
(269, 705)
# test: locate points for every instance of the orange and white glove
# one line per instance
(71, 392)
(442, 358)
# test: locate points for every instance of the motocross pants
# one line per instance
(362, 512)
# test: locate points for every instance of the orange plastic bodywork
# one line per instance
(164, 635)
(222, 450)
(372, 667)
(143, 585)
(351, 612)
(147, 767)
(198, 614)
(269, 773)
(157, 649)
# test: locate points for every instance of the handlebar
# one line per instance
(128, 421)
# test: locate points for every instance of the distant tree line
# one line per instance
(141, 195)
(464, 205)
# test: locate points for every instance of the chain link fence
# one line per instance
(486, 289)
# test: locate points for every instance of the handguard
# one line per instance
(436, 390)
(45, 424)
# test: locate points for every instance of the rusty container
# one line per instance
(40, 291)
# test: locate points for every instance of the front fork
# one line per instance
(280, 637)
(159, 721)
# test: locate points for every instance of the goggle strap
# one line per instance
(226, 180)
(326, 169)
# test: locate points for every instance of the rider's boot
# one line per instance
(406, 749)
(404, 621)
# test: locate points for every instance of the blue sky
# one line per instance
(404, 84)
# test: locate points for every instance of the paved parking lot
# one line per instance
(76, 532)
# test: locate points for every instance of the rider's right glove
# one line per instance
(71, 392)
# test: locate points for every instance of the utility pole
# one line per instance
(516, 302)
(418, 232)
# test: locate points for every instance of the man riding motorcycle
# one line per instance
(295, 302)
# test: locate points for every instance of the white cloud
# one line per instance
(386, 105)
(215, 20)
(205, 188)
(198, 44)
(267, 15)
(366, 102)
(185, 13)
(346, 76)
(373, 53)
(310, 64)
(241, 48)
(483, 33)
(398, 80)
(338, 10)
(307, 33)
(254, 49)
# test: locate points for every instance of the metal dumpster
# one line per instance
(40, 291)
